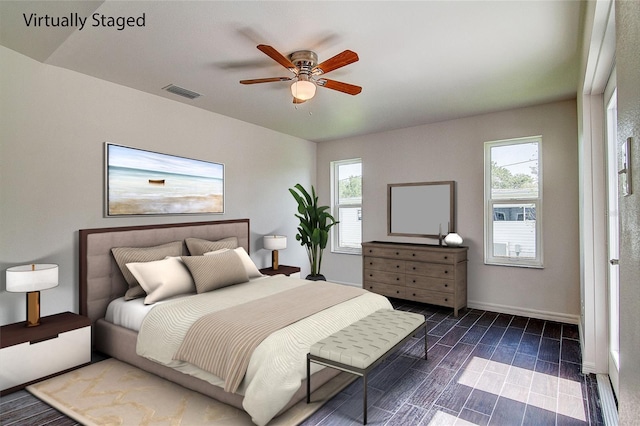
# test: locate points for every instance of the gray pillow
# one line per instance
(124, 255)
(198, 247)
(216, 270)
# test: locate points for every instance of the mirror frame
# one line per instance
(452, 208)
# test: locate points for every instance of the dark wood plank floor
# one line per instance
(483, 368)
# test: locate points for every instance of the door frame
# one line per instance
(613, 233)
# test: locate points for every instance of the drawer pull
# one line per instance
(397, 278)
(446, 300)
(370, 275)
(371, 287)
(44, 339)
(371, 263)
(446, 285)
(414, 295)
(414, 268)
(446, 257)
(397, 254)
(414, 281)
(397, 266)
(398, 291)
(446, 272)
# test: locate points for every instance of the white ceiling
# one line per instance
(420, 61)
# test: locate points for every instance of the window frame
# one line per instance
(489, 203)
(335, 209)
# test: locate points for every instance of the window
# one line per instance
(347, 206)
(513, 202)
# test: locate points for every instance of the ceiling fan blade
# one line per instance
(277, 56)
(350, 89)
(265, 80)
(298, 101)
(340, 60)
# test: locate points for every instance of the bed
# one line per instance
(275, 377)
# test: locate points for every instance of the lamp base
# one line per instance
(33, 308)
(274, 260)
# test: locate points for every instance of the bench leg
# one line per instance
(364, 383)
(308, 380)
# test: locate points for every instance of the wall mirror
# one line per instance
(421, 209)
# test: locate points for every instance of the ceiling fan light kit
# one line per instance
(303, 89)
(304, 65)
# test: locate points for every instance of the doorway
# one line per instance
(613, 233)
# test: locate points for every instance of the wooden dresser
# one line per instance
(423, 273)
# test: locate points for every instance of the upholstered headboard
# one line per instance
(100, 278)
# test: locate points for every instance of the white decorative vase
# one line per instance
(453, 240)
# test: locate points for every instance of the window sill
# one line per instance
(516, 264)
(356, 252)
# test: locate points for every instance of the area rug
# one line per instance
(111, 392)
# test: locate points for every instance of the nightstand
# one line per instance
(290, 271)
(28, 354)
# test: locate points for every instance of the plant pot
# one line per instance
(318, 277)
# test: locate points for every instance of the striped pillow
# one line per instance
(216, 270)
(124, 255)
(249, 266)
(198, 247)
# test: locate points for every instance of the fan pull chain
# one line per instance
(310, 112)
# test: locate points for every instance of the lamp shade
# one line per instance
(275, 242)
(36, 277)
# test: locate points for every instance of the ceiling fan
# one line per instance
(308, 73)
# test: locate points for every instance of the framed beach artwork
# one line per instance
(140, 182)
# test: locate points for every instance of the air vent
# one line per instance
(180, 91)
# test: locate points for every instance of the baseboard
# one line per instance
(511, 310)
(349, 284)
(588, 367)
(607, 400)
(525, 312)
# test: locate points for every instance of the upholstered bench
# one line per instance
(362, 345)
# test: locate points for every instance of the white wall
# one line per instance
(628, 77)
(53, 125)
(453, 150)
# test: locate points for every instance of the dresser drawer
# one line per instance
(429, 283)
(383, 264)
(435, 270)
(386, 290)
(393, 278)
(432, 297)
(386, 252)
(436, 256)
(439, 256)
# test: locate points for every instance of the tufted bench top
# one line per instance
(365, 341)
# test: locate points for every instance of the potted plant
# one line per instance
(313, 231)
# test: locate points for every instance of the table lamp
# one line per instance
(275, 243)
(32, 279)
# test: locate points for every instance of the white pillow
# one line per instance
(251, 268)
(162, 279)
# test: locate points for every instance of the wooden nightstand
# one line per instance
(28, 354)
(290, 271)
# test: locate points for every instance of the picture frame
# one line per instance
(141, 182)
(421, 209)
